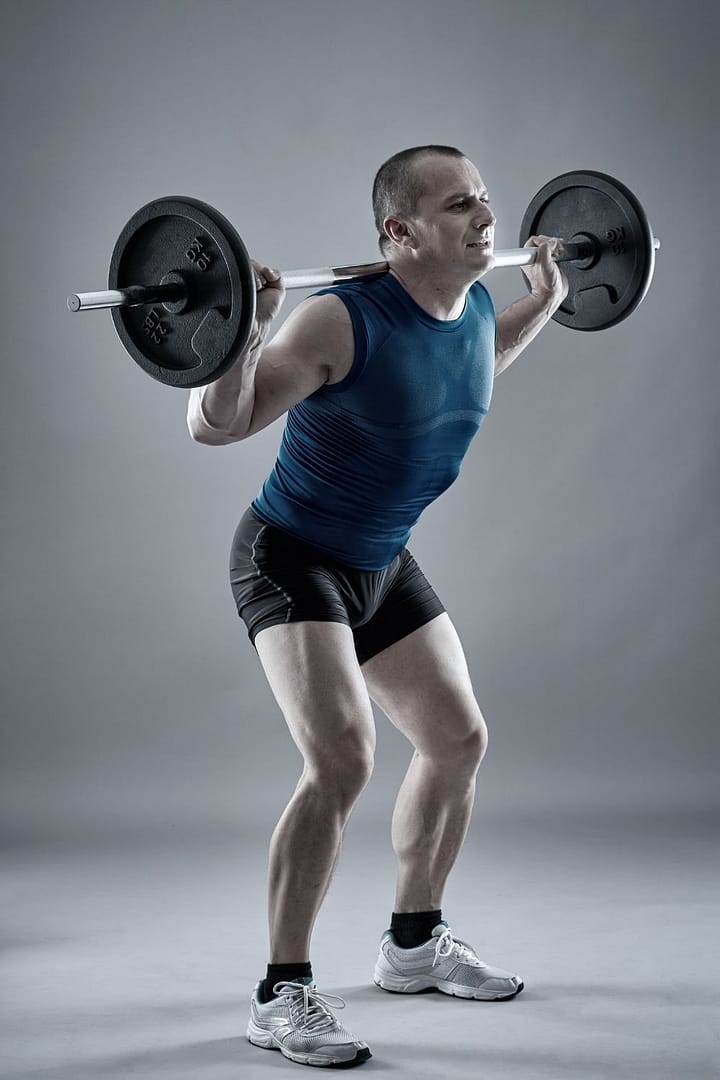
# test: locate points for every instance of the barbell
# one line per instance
(181, 286)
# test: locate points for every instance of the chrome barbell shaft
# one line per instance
(131, 296)
(314, 277)
(319, 276)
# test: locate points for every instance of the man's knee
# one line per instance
(467, 745)
(477, 742)
(334, 724)
(341, 766)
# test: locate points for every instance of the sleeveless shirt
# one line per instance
(361, 459)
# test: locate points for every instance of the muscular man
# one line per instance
(385, 382)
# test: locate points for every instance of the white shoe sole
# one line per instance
(400, 984)
(265, 1039)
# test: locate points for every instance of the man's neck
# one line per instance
(441, 299)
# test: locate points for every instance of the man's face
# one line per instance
(453, 225)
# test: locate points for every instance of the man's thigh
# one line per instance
(422, 684)
(313, 671)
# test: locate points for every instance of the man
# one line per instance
(385, 382)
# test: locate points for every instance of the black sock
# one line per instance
(414, 927)
(283, 973)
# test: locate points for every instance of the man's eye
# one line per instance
(459, 204)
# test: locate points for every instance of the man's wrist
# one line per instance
(546, 301)
(257, 337)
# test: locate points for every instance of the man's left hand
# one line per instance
(547, 281)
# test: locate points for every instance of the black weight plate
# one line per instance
(191, 344)
(593, 203)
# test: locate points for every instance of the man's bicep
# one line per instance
(301, 358)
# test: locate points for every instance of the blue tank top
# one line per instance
(361, 459)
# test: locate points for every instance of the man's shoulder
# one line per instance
(482, 299)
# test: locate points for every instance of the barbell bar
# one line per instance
(313, 278)
(193, 316)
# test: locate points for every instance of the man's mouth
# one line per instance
(486, 243)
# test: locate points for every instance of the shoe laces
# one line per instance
(309, 1009)
(447, 945)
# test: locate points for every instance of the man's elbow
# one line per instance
(208, 436)
(197, 433)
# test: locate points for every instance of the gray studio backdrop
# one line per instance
(576, 553)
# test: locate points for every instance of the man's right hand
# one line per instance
(270, 295)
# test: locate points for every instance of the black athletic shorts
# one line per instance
(276, 578)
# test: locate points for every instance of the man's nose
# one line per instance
(484, 217)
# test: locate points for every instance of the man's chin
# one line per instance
(481, 260)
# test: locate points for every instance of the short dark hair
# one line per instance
(397, 186)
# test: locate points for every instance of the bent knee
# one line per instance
(343, 777)
(467, 741)
(477, 742)
(344, 763)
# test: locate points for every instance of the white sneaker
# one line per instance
(445, 963)
(299, 1023)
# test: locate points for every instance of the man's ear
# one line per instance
(399, 232)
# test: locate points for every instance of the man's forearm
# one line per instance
(224, 407)
(518, 324)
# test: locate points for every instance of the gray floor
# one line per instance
(137, 958)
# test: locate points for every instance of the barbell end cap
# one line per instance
(73, 303)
